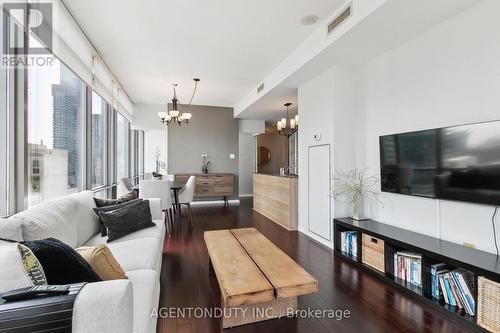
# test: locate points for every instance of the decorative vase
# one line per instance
(358, 210)
(204, 169)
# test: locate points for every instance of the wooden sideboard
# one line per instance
(211, 184)
(276, 198)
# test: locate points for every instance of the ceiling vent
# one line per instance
(260, 88)
(341, 18)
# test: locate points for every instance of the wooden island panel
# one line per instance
(276, 198)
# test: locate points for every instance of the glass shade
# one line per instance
(296, 119)
(173, 113)
(292, 123)
(162, 115)
(278, 125)
(283, 122)
(187, 115)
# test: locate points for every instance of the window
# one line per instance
(133, 154)
(141, 154)
(122, 147)
(56, 108)
(100, 115)
(4, 133)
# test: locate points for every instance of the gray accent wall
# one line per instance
(212, 131)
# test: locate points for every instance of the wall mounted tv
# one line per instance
(454, 163)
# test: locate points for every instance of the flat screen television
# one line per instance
(454, 163)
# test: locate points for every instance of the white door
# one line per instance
(319, 191)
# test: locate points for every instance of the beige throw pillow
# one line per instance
(102, 261)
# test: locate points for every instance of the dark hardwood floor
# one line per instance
(374, 306)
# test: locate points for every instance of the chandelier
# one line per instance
(174, 115)
(287, 126)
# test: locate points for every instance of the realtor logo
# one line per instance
(33, 18)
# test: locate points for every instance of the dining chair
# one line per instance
(171, 178)
(186, 195)
(159, 189)
(148, 176)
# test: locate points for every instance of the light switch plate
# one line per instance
(231, 156)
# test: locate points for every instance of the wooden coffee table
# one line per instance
(257, 280)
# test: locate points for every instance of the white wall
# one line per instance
(247, 156)
(447, 75)
(155, 133)
(316, 118)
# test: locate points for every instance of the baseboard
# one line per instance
(215, 202)
(317, 238)
(246, 195)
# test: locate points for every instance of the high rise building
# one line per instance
(67, 134)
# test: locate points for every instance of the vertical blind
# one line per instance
(72, 47)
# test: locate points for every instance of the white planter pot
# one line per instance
(358, 210)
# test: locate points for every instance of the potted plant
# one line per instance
(204, 167)
(160, 165)
(353, 186)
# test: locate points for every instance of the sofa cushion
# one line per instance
(20, 267)
(69, 219)
(101, 259)
(146, 290)
(126, 220)
(61, 263)
(50, 219)
(10, 229)
(137, 254)
(84, 217)
(158, 233)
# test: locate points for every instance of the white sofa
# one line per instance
(109, 306)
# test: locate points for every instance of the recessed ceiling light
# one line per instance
(310, 19)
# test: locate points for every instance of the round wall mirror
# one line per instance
(264, 156)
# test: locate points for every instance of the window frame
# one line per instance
(17, 129)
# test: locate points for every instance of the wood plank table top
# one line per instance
(240, 280)
(286, 276)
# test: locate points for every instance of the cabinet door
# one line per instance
(223, 184)
(319, 191)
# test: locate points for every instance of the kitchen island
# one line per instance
(276, 198)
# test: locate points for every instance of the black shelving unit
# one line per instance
(432, 250)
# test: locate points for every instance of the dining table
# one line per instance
(175, 187)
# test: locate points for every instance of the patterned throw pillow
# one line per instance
(19, 267)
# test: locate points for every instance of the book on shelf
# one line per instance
(408, 267)
(454, 287)
(349, 243)
(436, 270)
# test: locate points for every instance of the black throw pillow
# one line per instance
(110, 202)
(61, 263)
(123, 221)
(104, 230)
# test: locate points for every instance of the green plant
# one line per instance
(204, 167)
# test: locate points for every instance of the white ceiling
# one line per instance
(391, 24)
(230, 44)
